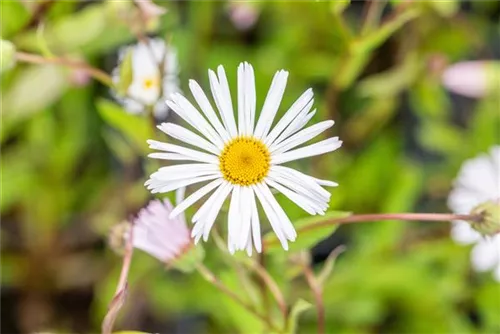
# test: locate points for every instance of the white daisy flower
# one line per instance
(154, 76)
(478, 182)
(241, 157)
(159, 235)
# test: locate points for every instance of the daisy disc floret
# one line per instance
(240, 156)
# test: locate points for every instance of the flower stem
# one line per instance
(273, 287)
(374, 217)
(121, 289)
(318, 297)
(210, 277)
(99, 75)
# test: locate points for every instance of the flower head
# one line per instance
(474, 79)
(241, 157)
(154, 76)
(162, 237)
(476, 189)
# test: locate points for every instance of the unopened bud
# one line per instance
(489, 218)
(117, 238)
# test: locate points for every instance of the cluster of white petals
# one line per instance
(154, 76)
(478, 182)
(241, 155)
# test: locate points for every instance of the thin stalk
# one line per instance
(374, 217)
(373, 15)
(318, 297)
(211, 278)
(99, 75)
(121, 289)
(262, 284)
(273, 287)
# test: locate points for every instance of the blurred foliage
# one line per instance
(73, 164)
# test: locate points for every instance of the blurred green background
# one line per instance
(73, 162)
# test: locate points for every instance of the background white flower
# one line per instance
(243, 157)
(150, 87)
(478, 181)
(159, 235)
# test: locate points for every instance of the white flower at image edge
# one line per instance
(478, 181)
(150, 87)
(158, 235)
(242, 158)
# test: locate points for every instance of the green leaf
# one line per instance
(135, 128)
(441, 137)
(188, 261)
(373, 40)
(298, 308)
(33, 89)
(329, 265)
(393, 81)
(126, 73)
(308, 234)
(7, 55)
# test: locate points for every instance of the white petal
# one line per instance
(289, 116)
(233, 214)
(225, 189)
(179, 197)
(241, 100)
(463, 233)
(207, 109)
(186, 110)
(303, 190)
(485, 255)
(157, 186)
(271, 104)
(304, 180)
(307, 205)
(183, 134)
(324, 146)
(171, 148)
(245, 217)
(174, 157)
(272, 217)
(285, 223)
(194, 197)
(298, 123)
(255, 224)
(220, 93)
(250, 98)
(184, 171)
(301, 137)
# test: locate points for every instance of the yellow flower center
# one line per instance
(245, 161)
(149, 83)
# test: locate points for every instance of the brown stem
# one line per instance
(121, 289)
(99, 75)
(372, 17)
(38, 14)
(262, 283)
(272, 286)
(318, 297)
(374, 217)
(210, 277)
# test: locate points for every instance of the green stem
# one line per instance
(211, 278)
